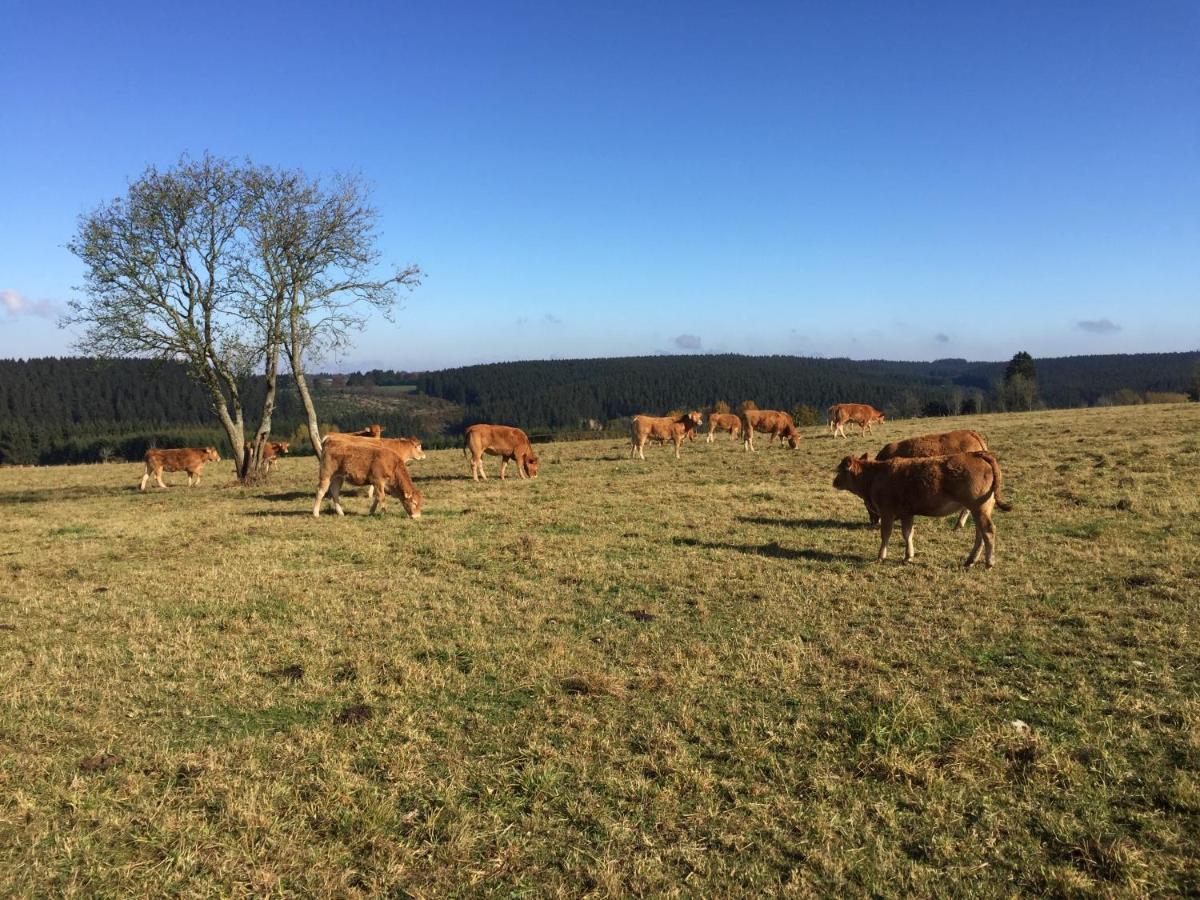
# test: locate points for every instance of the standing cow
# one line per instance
(660, 429)
(183, 459)
(934, 486)
(768, 421)
(500, 440)
(365, 463)
(728, 422)
(964, 441)
(862, 414)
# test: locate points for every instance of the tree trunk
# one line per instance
(253, 465)
(314, 429)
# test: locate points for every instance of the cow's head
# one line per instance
(418, 453)
(411, 500)
(848, 472)
(529, 463)
(695, 418)
(282, 446)
(211, 454)
(881, 418)
(793, 436)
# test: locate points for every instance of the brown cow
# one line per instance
(931, 445)
(271, 450)
(660, 429)
(768, 421)
(373, 431)
(363, 463)
(964, 441)
(724, 422)
(932, 486)
(862, 414)
(499, 440)
(185, 459)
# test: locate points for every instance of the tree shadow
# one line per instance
(771, 549)
(806, 523)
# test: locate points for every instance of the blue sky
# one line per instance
(898, 180)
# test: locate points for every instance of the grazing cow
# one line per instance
(271, 450)
(728, 422)
(931, 445)
(185, 459)
(861, 414)
(407, 449)
(768, 421)
(660, 429)
(930, 486)
(499, 440)
(365, 463)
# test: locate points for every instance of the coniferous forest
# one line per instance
(84, 410)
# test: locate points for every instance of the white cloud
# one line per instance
(688, 342)
(17, 304)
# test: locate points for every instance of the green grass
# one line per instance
(663, 677)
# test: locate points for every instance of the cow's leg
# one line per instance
(503, 467)
(885, 532)
(962, 519)
(145, 478)
(641, 449)
(482, 472)
(677, 442)
(379, 499)
(322, 487)
(158, 478)
(871, 514)
(906, 525)
(335, 490)
(709, 439)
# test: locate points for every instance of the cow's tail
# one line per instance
(996, 480)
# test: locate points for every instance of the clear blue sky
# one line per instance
(900, 180)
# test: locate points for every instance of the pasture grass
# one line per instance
(663, 677)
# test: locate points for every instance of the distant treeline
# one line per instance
(559, 394)
(85, 410)
(88, 410)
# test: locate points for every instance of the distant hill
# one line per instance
(77, 410)
(557, 394)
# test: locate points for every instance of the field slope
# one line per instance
(624, 677)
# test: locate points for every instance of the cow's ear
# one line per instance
(863, 457)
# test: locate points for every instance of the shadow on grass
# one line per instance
(273, 514)
(771, 549)
(72, 492)
(806, 523)
(289, 496)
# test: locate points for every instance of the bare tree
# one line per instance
(316, 263)
(162, 280)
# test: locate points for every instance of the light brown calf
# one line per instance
(768, 421)
(499, 440)
(365, 463)
(184, 459)
(660, 429)
(862, 414)
(728, 422)
(271, 451)
(934, 486)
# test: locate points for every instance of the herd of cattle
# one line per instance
(932, 475)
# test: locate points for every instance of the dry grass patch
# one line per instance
(666, 676)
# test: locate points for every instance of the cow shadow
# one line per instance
(288, 496)
(772, 550)
(273, 514)
(805, 523)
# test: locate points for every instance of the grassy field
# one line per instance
(624, 677)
